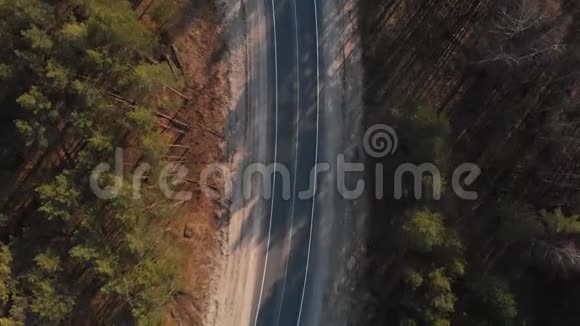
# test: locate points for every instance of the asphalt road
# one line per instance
(279, 247)
(284, 295)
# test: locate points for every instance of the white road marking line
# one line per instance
(295, 161)
(275, 164)
(315, 162)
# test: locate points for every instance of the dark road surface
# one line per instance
(288, 119)
(294, 141)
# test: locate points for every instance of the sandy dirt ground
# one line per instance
(236, 278)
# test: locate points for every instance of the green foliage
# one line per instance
(8, 322)
(146, 287)
(50, 303)
(163, 12)
(439, 322)
(5, 72)
(500, 260)
(51, 300)
(74, 78)
(32, 132)
(457, 266)
(499, 299)
(430, 250)
(100, 141)
(153, 146)
(58, 199)
(141, 119)
(505, 304)
(432, 294)
(434, 135)
(414, 278)
(57, 75)
(74, 32)
(113, 23)
(430, 279)
(423, 134)
(16, 313)
(441, 296)
(6, 282)
(408, 322)
(149, 77)
(439, 281)
(9, 300)
(36, 102)
(38, 39)
(556, 222)
(423, 230)
(48, 262)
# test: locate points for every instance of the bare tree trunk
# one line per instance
(146, 9)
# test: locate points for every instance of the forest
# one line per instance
(80, 78)
(494, 83)
(490, 82)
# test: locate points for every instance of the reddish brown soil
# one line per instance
(198, 42)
